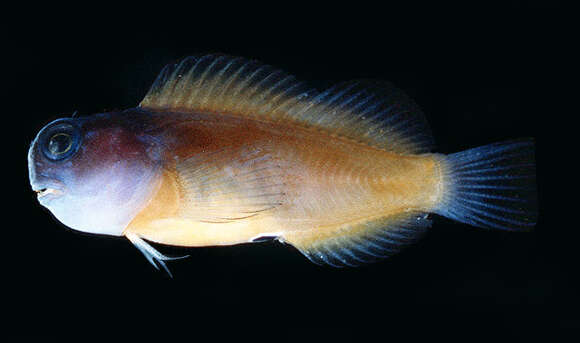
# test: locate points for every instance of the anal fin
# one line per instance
(356, 244)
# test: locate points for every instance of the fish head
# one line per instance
(93, 173)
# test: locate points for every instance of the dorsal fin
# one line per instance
(370, 112)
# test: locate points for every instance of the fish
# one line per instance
(225, 150)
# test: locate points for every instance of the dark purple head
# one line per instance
(93, 173)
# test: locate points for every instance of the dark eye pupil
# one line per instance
(59, 144)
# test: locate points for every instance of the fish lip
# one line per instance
(43, 192)
(48, 189)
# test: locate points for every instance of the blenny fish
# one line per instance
(225, 150)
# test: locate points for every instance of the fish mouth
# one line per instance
(42, 192)
(47, 188)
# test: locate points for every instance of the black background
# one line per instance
(480, 79)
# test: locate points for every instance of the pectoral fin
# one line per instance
(229, 185)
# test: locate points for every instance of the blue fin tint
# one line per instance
(376, 112)
(358, 244)
(493, 186)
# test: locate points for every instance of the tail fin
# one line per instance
(493, 186)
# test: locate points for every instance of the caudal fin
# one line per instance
(493, 186)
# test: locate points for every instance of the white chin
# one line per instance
(103, 207)
(102, 220)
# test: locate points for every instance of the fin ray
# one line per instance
(229, 185)
(362, 243)
(369, 112)
(151, 254)
(491, 186)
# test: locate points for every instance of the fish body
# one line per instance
(225, 151)
(264, 179)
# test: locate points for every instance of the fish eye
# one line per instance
(59, 144)
(60, 141)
